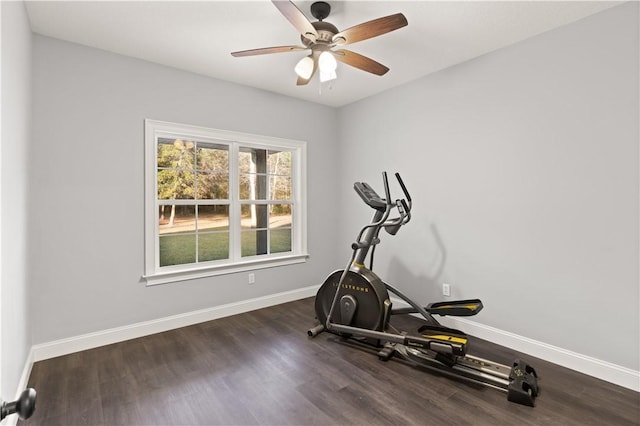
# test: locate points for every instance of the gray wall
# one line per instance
(523, 164)
(524, 169)
(87, 207)
(15, 334)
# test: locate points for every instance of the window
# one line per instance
(220, 202)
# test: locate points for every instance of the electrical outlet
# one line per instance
(252, 278)
(446, 289)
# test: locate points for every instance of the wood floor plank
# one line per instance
(261, 368)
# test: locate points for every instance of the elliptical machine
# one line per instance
(354, 303)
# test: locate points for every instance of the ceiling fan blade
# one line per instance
(356, 60)
(370, 29)
(267, 50)
(297, 18)
(301, 81)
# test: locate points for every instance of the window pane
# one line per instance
(177, 249)
(213, 246)
(212, 157)
(280, 187)
(253, 187)
(176, 219)
(253, 216)
(245, 164)
(213, 186)
(175, 184)
(252, 160)
(254, 221)
(175, 153)
(279, 163)
(166, 183)
(279, 216)
(280, 240)
(175, 158)
(213, 218)
(167, 154)
(254, 242)
(280, 228)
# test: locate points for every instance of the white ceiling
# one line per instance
(199, 36)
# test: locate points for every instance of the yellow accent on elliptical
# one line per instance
(446, 338)
(471, 306)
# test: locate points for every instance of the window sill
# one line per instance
(191, 274)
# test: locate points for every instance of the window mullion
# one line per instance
(153, 159)
(234, 204)
(196, 210)
(268, 219)
(295, 201)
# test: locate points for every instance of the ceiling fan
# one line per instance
(321, 37)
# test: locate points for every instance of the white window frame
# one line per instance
(153, 273)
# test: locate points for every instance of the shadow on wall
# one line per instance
(423, 287)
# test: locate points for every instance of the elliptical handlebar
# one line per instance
(404, 188)
(387, 193)
(403, 205)
(368, 235)
(373, 200)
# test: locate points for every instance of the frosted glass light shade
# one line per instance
(304, 68)
(327, 64)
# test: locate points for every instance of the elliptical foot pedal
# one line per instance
(523, 384)
(444, 339)
(456, 308)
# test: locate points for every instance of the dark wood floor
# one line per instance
(261, 368)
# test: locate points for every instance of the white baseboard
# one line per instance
(114, 335)
(26, 372)
(594, 367)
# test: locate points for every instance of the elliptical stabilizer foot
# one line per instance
(523, 384)
(314, 331)
(386, 352)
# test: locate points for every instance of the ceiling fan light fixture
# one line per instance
(304, 67)
(327, 64)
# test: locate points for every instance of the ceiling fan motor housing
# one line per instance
(325, 31)
(320, 10)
